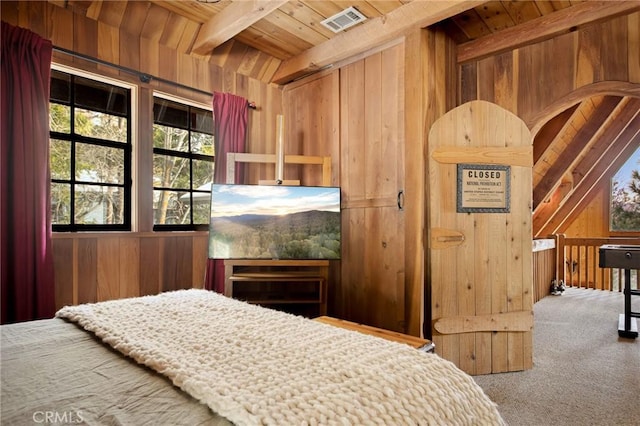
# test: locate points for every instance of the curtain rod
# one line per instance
(144, 78)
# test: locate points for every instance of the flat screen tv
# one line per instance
(274, 222)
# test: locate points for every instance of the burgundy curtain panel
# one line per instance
(230, 114)
(28, 291)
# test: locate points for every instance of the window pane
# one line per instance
(102, 164)
(99, 96)
(171, 208)
(170, 138)
(60, 159)
(99, 205)
(201, 120)
(201, 143)
(60, 87)
(171, 172)
(170, 113)
(60, 118)
(99, 125)
(202, 174)
(201, 208)
(60, 204)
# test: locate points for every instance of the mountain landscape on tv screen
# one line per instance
(312, 234)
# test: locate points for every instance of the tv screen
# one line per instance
(274, 222)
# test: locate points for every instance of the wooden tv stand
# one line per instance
(278, 282)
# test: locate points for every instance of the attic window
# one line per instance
(343, 20)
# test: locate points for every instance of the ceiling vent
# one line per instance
(343, 20)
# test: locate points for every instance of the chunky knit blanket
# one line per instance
(258, 366)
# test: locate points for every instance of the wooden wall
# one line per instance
(312, 121)
(593, 220)
(529, 80)
(355, 116)
(94, 267)
(313, 129)
(372, 114)
(430, 79)
(372, 174)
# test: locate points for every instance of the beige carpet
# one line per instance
(257, 366)
(583, 373)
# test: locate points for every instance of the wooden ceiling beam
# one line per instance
(230, 21)
(587, 130)
(550, 132)
(544, 27)
(627, 112)
(368, 35)
(548, 157)
(620, 144)
(544, 211)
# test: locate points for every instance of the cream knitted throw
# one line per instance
(259, 366)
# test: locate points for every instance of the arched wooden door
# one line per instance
(480, 244)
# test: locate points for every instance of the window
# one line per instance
(90, 154)
(182, 165)
(625, 196)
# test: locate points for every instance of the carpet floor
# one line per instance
(583, 374)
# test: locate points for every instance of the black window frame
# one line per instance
(190, 127)
(75, 139)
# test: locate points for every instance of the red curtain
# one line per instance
(27, 263)
(230, 114)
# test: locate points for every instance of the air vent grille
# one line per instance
(343, 20)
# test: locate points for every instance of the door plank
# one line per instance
(509, 321)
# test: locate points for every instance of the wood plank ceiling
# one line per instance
(285, 40)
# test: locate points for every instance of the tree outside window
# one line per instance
(625, 196)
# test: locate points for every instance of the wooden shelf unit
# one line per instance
(278, 282)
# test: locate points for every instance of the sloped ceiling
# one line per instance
(284, 40)
(576, 152)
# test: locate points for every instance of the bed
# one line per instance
(194, 357)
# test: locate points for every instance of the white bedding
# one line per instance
(259, 366)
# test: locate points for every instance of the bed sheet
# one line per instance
(55, 373)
